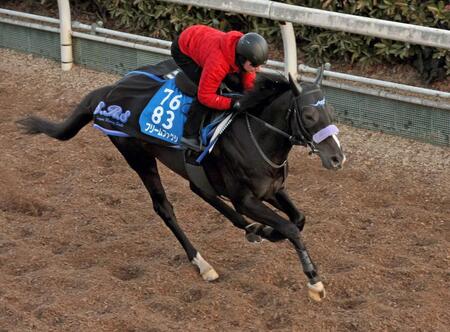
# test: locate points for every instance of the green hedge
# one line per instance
(165, 20)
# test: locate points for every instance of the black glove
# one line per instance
(236, 105)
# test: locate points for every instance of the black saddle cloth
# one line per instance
(131, 94)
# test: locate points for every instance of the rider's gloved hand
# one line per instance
(236, 105)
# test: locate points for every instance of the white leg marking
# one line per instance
(206, 270)
(316, 291)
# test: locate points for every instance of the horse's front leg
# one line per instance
(283, 202)
(253, 208)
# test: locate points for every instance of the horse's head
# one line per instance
(311, 120)
(300, 113)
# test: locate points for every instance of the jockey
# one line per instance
(209, 57)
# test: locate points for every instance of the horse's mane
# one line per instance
(267, 88)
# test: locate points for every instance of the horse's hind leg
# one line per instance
(146, 167)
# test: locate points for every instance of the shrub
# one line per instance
(165, 20)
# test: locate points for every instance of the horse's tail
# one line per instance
(68, 128)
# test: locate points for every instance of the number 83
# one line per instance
(158, 112)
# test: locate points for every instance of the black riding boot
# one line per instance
(191, 130)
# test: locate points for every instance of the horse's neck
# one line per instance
(275, 145)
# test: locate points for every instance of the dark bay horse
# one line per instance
(248, 165)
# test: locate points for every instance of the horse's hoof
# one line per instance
(316, 292)
(252, 233)
(206, 271)
(210, 275)
(253, 238)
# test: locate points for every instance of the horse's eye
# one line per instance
(310, 116)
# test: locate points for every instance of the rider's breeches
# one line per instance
(190, 68)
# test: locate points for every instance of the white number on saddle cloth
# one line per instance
(165, 114)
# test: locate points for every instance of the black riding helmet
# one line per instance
(252, 47)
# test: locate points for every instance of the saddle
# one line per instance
(168, 69)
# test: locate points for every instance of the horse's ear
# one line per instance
(295, 87)
(319, 77)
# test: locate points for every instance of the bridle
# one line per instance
(299, 134)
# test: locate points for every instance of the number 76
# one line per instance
(175, 102)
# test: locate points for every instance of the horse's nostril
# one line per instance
(335, 161)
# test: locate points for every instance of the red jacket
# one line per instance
(214, 51)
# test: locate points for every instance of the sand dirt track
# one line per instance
(81, 248)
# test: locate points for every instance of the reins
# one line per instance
(258, 147)
(293, 139)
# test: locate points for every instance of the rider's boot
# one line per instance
(191, 128)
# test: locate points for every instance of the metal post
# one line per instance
(65, 34)
(290, 49)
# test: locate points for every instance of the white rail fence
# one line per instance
(277, 11)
